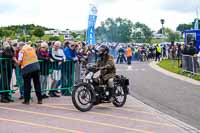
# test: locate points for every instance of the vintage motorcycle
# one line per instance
(91, 91)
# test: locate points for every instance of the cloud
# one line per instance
(73, 14)
(182, 6)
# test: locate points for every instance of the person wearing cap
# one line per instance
(30, 68)
(43, 56)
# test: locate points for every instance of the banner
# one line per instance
(90, 35)
(196, 24)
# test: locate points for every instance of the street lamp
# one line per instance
(162, 22)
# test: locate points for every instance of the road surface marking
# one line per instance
(135, 69)
(133, 111)
(76, 119)
(125, 107)
(129, 68)
(117, 117)
(39, 125)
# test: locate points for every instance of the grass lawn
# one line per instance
(172, 66)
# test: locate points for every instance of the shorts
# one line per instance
(56, 75)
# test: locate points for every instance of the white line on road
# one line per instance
(130, 68)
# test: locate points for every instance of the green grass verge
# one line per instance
(172, 66)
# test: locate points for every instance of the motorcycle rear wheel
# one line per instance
(120, 97)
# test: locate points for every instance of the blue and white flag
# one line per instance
(196, 24)
(90, 36)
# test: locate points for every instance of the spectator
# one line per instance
(30, 70)
(57, 57)
(71, 55)
(198, 56)
(19, 77)
(158, 52)
(6, 74)
(174, 51)
(129, 55)
(70, 52)
(179, 54)
(91, 54)
(63, 81)
(43, 56)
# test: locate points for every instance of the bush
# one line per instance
(54, 38)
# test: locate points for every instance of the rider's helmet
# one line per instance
(103, 50)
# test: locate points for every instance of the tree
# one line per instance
(38, 32)
(7, 33)
(1, 33)
(155, 41)
(171, 35)
(142, 33)
(74, 35)
(118, 30)
(183, 27)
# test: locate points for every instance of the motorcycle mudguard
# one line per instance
(89, 86)
(124, 82)
(126, 90)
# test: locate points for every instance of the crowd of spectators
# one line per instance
(146, 52)
(56, 61)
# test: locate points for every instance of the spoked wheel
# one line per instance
(120, 97)
(82, 98)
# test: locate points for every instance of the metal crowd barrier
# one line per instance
(53, 77)
(191, 64)
(6, 84)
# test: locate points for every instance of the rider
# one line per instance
(107, 65)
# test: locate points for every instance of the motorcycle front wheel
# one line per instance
(82, 97)
(119, 97)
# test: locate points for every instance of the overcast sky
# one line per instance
(73, 14)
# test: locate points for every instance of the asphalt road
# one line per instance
(177, 98)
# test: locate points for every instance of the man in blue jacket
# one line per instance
(71, 55)
(70, 52)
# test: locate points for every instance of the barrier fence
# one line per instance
(54, 76)
(6, 86)
(191, 64)
(57, 76)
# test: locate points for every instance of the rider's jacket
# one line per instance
(109, 70)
